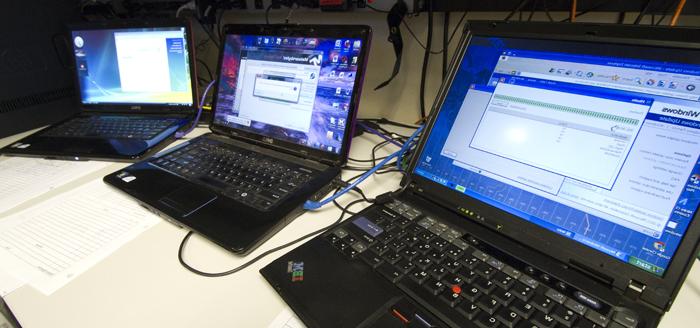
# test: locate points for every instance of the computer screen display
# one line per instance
(592, 143)
(294, 89)
(133, 66)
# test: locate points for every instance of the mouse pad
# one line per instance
(186, 200)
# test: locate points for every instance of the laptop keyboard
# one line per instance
(116, 127)
(452, 274)
(255, 179)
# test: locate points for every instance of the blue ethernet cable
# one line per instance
(312, 205)
(181, 134)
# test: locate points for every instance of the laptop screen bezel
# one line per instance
(662, 289)
(362, 32)
(132, 107)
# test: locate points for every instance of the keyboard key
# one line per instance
(626, 318)
(527, 280)
(484, 270)
(452, 266)
(420, 276)
(503, 280)
(434, 286)
(485, 320)
(471, 294)
(469, 310)
(467, 274)
(597, 318)
(542, 303)
(409, 253)
(423, 262)
(452, 280)
(522, 292)
(487, 304)
(511, 272)
(543, 320)
(454, 252)
(485, 286)
(565, 316)
(502, 296)
(438, 272)
(575, 306)
(525, 310)
(450, 297)
(507, 317)
(392, 257)
(404, 266)
(556, 296)
(371, 258)
(389, 272)
(584, 323)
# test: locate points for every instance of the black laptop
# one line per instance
(136, 87)
(556, 185)
(283, 117)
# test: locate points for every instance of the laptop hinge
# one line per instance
(634, 289)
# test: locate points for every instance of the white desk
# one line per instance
(143, 285)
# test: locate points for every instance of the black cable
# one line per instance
(532, 11)
(267, 14)
(262, 255)
(546, 10)
(518, 8)
(420, 43)
(643, 12)
(592, 8)
(426, 59)
(211, 76)
(445, 49)
(209, 33)
(389, 122)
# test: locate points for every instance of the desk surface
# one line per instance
(143, 285)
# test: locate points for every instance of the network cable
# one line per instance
(181, 134)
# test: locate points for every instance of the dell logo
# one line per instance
(135, 107)
(268, 140)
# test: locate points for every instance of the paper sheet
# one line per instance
(286, 319)
(22, 179)
(8, 284)
(51, 243)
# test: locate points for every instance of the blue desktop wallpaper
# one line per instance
(650, 254)
(97, 66)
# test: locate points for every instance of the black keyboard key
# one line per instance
(371, 258)
(597, 318)
(556, 296)
(423, 248)
(452, 280)
(507, 317)
(404, 266)
(467, 275)
(468, 310)
(521, 291)
(542, 303)
(585, 323)
(488, 304)
(543, 320)
(484, 320)
(522, 308)
(470, 261)
(439, 244)
(420, 276)
(437, 255)
(397, 245)
(485, 286)
(423, 262)
(565, 316)
(438, 272)
(626, 318)
(389, 272)
(392, 257)
(484, 270)
(434, 286)
(575, 306)
(503, 280)
(470, 293)
(450, 297)
(380, 248)
(452, 266)
(503, 296)
(454, 252)
(409, 253)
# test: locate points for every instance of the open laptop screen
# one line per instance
(592, 143)
(294, 89)
(133, 66)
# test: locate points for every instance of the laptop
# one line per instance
(136, 86)
(283, 115)
(556, 185)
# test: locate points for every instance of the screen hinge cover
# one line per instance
(634, 289)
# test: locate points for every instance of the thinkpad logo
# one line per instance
(296, 269)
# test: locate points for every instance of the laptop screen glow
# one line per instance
(133, 66)
(294, 89)
(600, 148)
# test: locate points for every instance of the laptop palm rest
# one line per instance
(188, 199)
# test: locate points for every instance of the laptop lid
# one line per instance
(130, 66)
(581, 141)
(292, 87)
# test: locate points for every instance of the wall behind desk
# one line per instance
(400, 99)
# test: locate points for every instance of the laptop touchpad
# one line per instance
(188, 199)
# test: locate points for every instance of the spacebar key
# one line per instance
(432, 304)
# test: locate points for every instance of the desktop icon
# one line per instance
(279, 41)
(651, 82)
(661, 84)
(356, 44)
(690, 87)
(338, 90)
(672, 85)
(579, 73)
(336, 106)
(337, 43)
(354, 60)
(341, 75)
(335, 58)
(589, 74)
(341, 122)
(660, 246)
(569, 72)
(347, 43)
(331, 74)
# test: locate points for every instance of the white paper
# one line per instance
(22, 179)
(8, 284)
(286, 319)
(51, 243)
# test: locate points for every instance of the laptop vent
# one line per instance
(9, 105)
